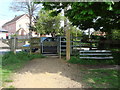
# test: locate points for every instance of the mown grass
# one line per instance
(12, 62)
(101, 78)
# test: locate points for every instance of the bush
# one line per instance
(9, 58)
(23, 56)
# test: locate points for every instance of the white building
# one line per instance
(19, 25)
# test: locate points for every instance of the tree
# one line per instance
(102, 16)
(47, 24)
(28, 7)
(87, 15)
(75, 32)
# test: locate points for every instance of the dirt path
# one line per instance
(48, 73)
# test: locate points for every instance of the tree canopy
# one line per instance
(102, 16)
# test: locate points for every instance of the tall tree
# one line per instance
(97, 15)
(47, 24)
(94, 15)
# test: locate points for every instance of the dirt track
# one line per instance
(48, 73)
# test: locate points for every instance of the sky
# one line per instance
(5, 13)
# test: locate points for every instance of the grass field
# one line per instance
(101, 78)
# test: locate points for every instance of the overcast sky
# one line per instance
(5, 13)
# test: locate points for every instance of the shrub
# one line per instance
(23, 56)
(11, 58)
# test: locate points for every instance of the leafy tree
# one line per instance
(102, 16)
(94, 15)
(75, 32)
(47, 24)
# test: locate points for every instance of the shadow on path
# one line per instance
(48, 72)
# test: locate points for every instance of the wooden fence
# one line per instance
(75, 47)
(17, 43)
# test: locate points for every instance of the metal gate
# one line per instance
(49, 45)
(57, 45)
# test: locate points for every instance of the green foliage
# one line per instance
(75, 32)
(47, 24)
(11, 58)
(8, 80)
(5, 75)
(90, 14)
(116, 34)
(87, 13)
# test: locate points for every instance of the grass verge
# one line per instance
(101, 78)
(12, 62)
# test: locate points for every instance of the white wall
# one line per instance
(23, 22)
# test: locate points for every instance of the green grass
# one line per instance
(116, 49)
(0, 70)
(100, 78)
(77, 60)
(12, 62)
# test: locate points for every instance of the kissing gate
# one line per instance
(54, 45)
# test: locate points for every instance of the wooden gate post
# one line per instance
(60, 47)
(13, 44)
(67, 44)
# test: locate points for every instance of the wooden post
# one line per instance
(14, 45)
(66, 29)
(90, 40)
(60, 47)
(11, 44)
(67, 44)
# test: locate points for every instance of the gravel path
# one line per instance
(48, 72)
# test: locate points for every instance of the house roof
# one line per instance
(13, 20)
(1, 29)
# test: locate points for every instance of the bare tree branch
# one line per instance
(28, 6)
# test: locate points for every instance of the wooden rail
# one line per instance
(96, 54)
